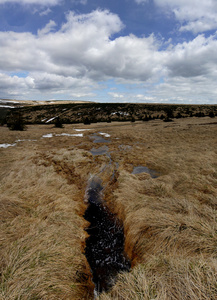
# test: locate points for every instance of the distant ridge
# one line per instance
(38, 102)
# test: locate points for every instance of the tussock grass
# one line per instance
(164, 277)
(41, 235)
(169, 222)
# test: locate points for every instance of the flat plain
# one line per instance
(169, 219)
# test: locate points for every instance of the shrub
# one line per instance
(58, 123)
(179, 115)
(16, 122)
(86, 121)
(211, 114)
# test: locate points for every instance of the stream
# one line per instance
(105, 245)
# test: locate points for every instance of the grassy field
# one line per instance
(169, 221)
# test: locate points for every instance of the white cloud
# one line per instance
(195, 58)
(48, 28)
(84, 51)
(45, 12)
(36, 2)
(116, 95)
(186, 90)
(141, 1)
(82, 47)
(196, 16)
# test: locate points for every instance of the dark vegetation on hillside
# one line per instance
(87, 113)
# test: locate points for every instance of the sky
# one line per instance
(139, 51)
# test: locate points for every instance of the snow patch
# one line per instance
(105, 134)
(7, 106)
(81, 129)
(49, 135)
(51, 119)
(67, 134)
(17, 141)
(7, 145)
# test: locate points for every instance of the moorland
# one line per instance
(169, 220)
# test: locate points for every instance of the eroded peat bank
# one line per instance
(74, 202)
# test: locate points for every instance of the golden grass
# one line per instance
(164, 277)
(169, 222)
(42, 234)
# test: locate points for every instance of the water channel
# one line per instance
(105, 245)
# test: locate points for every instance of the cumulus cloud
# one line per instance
(199, 89)
(37, 2)
(14, 85)
(194, 16)
(45, 12)
(195, 58)
(48, 28)
(83, 47)
(141, 1)
(116, 95)
(85, 51)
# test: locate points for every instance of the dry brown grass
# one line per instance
(170, 221)
(41, 230)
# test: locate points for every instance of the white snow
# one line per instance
(78, 134)
(67, 134)
(51, 119)
(17, 141)
(7, 106)
(81, 129)
(49, 135)
(7, 145)
(8, 101)
(105, 134)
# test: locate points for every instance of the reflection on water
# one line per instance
(141, 169)
(99, 151)
(99, 139)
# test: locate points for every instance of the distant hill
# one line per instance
(80, 112)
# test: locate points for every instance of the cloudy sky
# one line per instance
(109, 51)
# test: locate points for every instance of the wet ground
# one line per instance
(141, 169)
(105, 244)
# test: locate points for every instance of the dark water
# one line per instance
(105, 245)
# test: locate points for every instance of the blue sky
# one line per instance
(149, 51)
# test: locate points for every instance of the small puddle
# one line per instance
(141, 169)
(99, 139)
(99, 151)
(105, 245)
